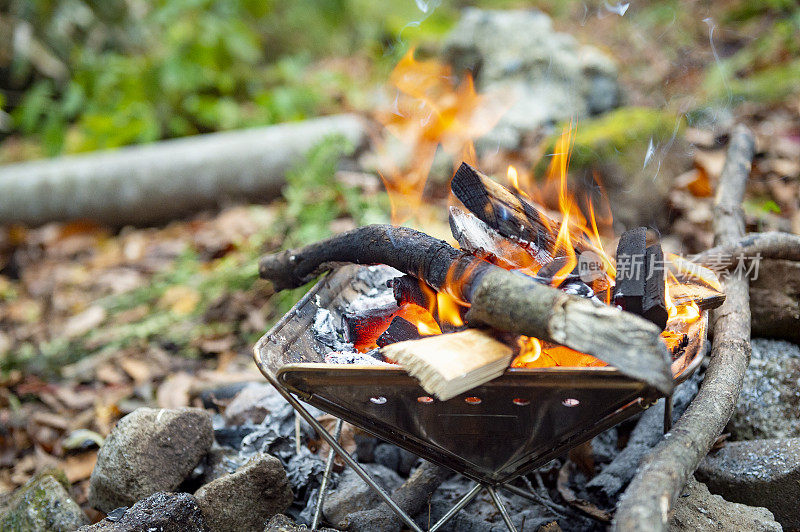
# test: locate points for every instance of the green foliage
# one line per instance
(314, 198)
(767, 68)
(170, 68)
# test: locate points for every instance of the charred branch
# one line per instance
(651, 496)
(499, 298)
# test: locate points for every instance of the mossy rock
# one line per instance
(619, 136)
(43, 503)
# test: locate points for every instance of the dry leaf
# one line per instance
(174, 391)
(136, 369)
(180, 299)
(79, 467)
(84, 322)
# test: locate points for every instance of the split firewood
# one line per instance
(505, 300)
(449, 364)
(509, 214)
(649, 499)
(475, 236)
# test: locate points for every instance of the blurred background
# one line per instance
(99, 317)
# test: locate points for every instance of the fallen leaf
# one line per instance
(136, 369)
(79, 467)
(84, 322)
(174, 391)
(180, 299)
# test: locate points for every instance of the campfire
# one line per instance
(490, 356)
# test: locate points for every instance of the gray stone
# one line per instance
(164, 512)
(759, 473)
(698, 510)
(150, 450)
(247, 499)
(281, 523)
(42, 504)
(770, 400)
(253, 403)
(352, 494)
(395, 458)
(547, 75)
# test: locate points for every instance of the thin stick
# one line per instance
(648, 501)
(769, 245)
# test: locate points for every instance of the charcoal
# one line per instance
(640, 277)
(407, 289)
(363, 323)
(654, 306)
(398, 331)
(630, 283)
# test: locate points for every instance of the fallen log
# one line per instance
(650, 497)
(412, 497)
(499, 298)
(163, 180)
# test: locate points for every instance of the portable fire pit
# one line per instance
(492, 434)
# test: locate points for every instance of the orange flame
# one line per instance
(430, 110)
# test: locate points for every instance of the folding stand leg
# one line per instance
(501, 508)
(325, 435)
(667, 413)
(465, 500)
(325, 478)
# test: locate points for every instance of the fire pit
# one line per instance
(492, 434)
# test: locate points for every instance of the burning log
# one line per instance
(399, 330)
(368, 324)
(407, 289)
(475, 236)
(653, 492)
(640, 277)
(449, 364)
(510, 215)
(505, 300)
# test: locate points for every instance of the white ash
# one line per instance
(329, 327)
(371, 358)
(330, 331)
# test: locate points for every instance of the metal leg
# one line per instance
(501, 508)
(340, 451)
(325, 477)
(465, 500)
(535, 497)
(667, 413)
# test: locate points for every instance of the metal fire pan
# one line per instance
(492, 433)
